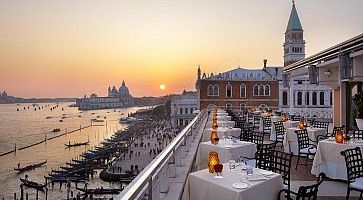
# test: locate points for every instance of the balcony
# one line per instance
(166, 177)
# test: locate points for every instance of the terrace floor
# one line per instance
(328, 190)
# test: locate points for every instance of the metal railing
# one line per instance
(167, 161)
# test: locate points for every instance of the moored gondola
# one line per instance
(32, 184)
(99, 191)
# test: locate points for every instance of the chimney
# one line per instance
(264, 62)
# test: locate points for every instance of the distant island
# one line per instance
(138, 101)
(7, 99)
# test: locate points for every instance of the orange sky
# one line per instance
(70, 48)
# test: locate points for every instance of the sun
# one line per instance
(162, 87)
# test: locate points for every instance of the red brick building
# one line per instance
(240, 88)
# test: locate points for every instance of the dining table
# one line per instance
(290, 141)
(287, 124)
(328, 159)
(226, 149)
(233, 184)
(222, 132)
(221, 123)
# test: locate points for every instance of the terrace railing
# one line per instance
(154, 179)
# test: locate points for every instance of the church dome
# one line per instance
(123, 90)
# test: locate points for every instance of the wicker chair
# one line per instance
(305, 192)
(320, 124)
(280, 132)
(282, 165)
(306, 146)
(266, 124)
(358, 134)
(263, 157)
(354, 165)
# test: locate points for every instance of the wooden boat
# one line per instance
(32, 184)
(30, 167)
(76, 144)
(99, 191)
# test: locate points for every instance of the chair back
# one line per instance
(353, 163)
(246, 134)
(310, 192)
(282, 165)
(279, 128)
(320, 124)
(302, 138)
(266, 121)
(358, 134)
(257, 138)
(264, 155)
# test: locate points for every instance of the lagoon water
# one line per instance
(27, 126)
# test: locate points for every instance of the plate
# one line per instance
(240, 185)
(266, 173)
(228, 146)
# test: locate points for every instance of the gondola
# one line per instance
(56, 130)
(99, 191)
(30, 167)
(32, 184)
(76, 144)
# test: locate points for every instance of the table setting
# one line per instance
(234, 180)
(328, 158)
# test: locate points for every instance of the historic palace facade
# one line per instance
(240, 88)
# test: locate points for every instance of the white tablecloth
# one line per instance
(286, 125)
(220, 118)
(221, 131)
(329, 160)
(219, 114)
(290, 140)
(202, 185)
(221, 123)
(226, 151)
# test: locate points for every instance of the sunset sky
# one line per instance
(69, 48)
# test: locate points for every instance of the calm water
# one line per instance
(28, 126)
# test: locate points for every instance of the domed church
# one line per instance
(115, 99)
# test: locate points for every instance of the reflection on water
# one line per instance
(25, 127)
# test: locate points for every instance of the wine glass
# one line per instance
(232, 165)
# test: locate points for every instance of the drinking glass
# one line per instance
(249, 170)
(232, 165)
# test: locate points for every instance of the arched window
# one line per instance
(299, 98)
(242, 91)
(186, 110)
(229, 90)
(321, 97)
(314, 98)
(307, 98)
(261, 90)
(284, 98)
(216, 90)
(267, 90)
(210, 90)
(180, 110)
(331, 98)
(255, 90)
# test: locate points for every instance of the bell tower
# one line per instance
(294, 46)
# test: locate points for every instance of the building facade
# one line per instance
(115, 99)
(183, 109)
(299, 96)
(240, 88)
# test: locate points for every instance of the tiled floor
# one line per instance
(328, 190)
